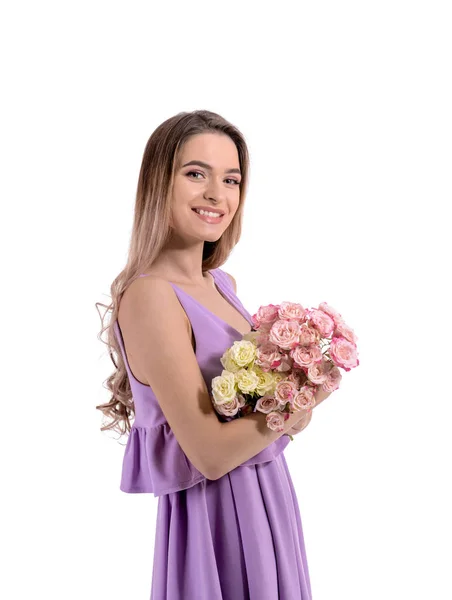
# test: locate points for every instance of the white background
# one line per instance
(346, 107)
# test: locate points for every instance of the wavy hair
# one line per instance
(150, 232)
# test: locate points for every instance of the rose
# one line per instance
(223, 387)
(329, 310)
(229, 408)
(243, 352)
(285, 391)
(343, 353)
(266, 382)
(292, 311)
(305, 398)
(317, 372)
(308, 335)
(268, 356)
(322, 322)
(332, 381)
(306, 356)
(267, 403)
(285, 334)
(275, 421)
(265, 315)
(228, 362)
(342, 329)
(246, 381)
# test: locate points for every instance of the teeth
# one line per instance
(206, 212)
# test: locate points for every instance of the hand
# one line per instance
(304, 421)
(300, 425)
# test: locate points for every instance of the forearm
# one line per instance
(243, 438)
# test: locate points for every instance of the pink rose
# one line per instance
(275, 421)
(329, 310)
(297, 376)
(306, 356)
(317, 372)
(285, 364)
(230, 408)
(308, 335)
(285, 334)
(305, 398)
(265, 315)
(343, 353)
(268, 357)
(332, 380)
(322, 322)
(285, 391)
(267, 403)
(292, 311)
(342, 329)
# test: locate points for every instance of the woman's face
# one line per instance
(213, 185)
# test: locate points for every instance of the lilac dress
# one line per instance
(235, 538)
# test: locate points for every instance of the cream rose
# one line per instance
(247, 381)
(224, 387)
(243, 353)
(265, 381)
(228, 362)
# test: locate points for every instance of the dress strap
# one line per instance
(223, 279)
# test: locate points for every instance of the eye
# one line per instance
(193, 173)
(198, 173)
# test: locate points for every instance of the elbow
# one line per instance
(211, 469)
(210, 472)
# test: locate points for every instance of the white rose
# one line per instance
(246, 381)
(243, 353)
(224, 387)
(228, 362)
(265, 381)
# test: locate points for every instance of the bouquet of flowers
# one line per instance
(277, 367)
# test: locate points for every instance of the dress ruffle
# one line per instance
(155, 463)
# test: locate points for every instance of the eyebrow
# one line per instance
(200, 163)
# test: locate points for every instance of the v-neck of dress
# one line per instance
(228, 299)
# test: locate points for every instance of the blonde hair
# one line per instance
(151, 230)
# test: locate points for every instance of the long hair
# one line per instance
(151, 230)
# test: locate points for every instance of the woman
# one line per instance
(228, 524)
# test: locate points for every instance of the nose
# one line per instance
(215, 191)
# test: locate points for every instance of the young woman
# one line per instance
(228, 524)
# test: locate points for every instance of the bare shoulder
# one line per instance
(233, 281)
(148, 297)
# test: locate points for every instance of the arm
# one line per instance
(155, 334)
(243, 438)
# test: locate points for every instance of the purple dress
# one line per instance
(235, 538)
